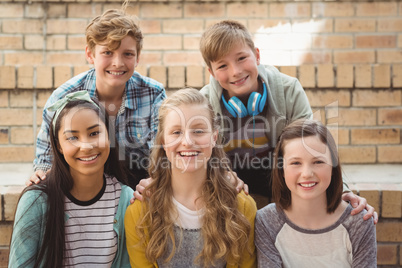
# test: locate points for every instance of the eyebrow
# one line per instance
(75, 131)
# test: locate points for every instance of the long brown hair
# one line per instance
(59, 182)
(303, 128)
(225, 229)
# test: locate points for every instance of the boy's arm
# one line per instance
(296, 98)
(154, 116)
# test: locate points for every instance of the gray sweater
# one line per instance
(350, 242)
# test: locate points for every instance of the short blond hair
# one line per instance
(221, 37)
(110, 28)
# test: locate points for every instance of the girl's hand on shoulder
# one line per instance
(236, 181)
(37, 177)
(359, 203)
(140, 188)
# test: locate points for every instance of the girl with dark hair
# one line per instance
(309, 225)
(76, 216)
(194, 217)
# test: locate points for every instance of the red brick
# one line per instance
(382, 75)
(176, 77)
(6, 230)
(44, 77)
(285, 41)
(391, 204)
(42, 96)
(269, 26)
(34, 11)
(191, 42)
(76, 42)
(4, 252)
(7, 77)
(376, 41)
(391, 56)
(363, 76)
(11, 42)
(27, 26)
(375, 136)
(183, 26)
(150, 26)
(159, 73)
(293, 10)
(373, 98)
(66, 26)
(60, 58)
(389, 232)
(195, 76)
(57, 10)
(376, 9)
(21, 98)
(61, 75)
(81, 10)
(340, 135)
(307, 76)
(161, 42)
(352, 117)
(333, 9)
(332, 41)
(159, 10)
(17, 154)
(34, 42)
(248, 10)
(312, 26)
(204, 10)
(301, 58)
(389, 25)
(390, 154)
(22, 135)
(4, 137)
(25, 77)
(325, 75)
(397, 74)
(151, 58)
(80, 69)
(357, 154)
(354, 56)
(323, 98)
(178, 58)
(289, 70)
(11, 10)
(372, 196)
(344, 76)
(3, 97)
(386, 254)
(354, 25)
(389, 116)
(23, 58)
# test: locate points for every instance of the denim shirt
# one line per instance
(29, 229)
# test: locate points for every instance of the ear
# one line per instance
(211, 72)
(257, 55)
(89, 55)
(214, 138)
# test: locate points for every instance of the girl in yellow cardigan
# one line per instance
(195, 217)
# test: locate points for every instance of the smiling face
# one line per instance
(84, 142)
(307, 168)
(188, 137)
(237, 71)
(113, 68)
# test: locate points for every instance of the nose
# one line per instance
(307, 172)
(236, 70)
(187, 140)
(86, 146)
(117, 60)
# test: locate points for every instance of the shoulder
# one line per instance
(246, 205)
(355, 224)
(32, 202)
(135, 212)
(269, 215)
(137, 80)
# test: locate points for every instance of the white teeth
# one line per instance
(89, 158)
(308, 184)
(239, 81)
(116, 73)
(188, 153)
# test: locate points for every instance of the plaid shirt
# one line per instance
(136, 122)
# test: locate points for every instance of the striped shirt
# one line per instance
(135, 125)
(90, 238)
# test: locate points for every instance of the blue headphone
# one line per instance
(255, 104)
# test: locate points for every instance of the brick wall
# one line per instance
(387, 200)
(347, 55)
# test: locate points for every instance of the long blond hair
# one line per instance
(224, 230)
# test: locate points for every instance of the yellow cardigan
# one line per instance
(136, 251)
